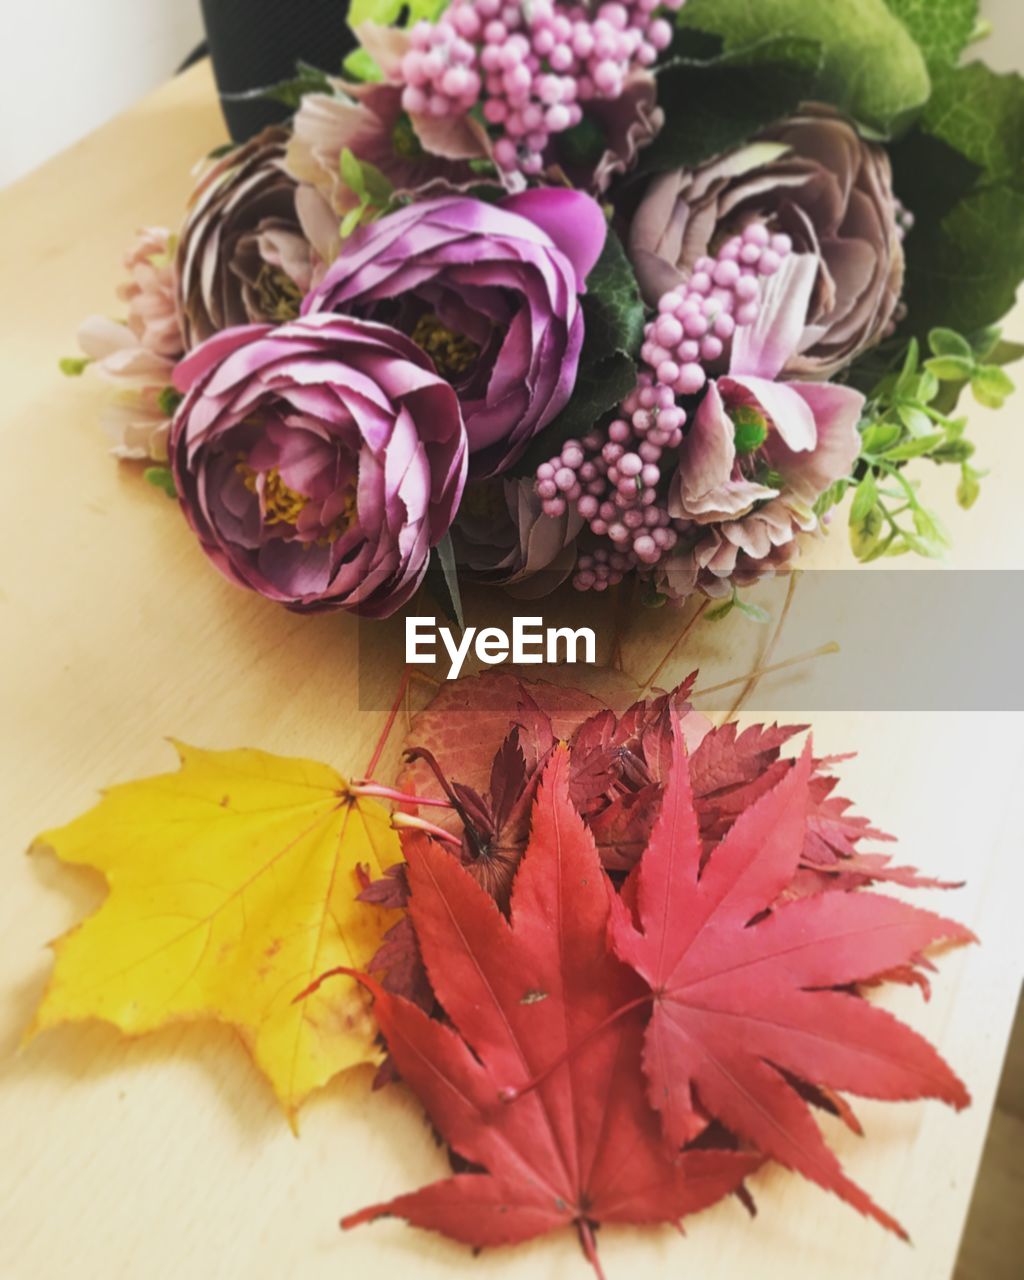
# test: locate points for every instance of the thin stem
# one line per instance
(755, 677)
(412, 823)
(679, 640)
(367, 787)
(823, 651)
(389, 724)
(589, 1246)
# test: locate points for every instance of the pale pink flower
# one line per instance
(136, 413)
(151, 293)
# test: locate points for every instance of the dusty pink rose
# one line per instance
(242, 256)
(815, 179)
(318, 462)
(151, 293)
(759, 452)
(617, 129)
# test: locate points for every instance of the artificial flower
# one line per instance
(243, 257)
(491, 293)
(503, 538)
(759, 452)
(814, 179)
(137, 412)
(319, 461)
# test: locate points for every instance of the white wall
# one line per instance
(69, 65)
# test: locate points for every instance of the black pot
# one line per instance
(256, 43)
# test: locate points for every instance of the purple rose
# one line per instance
(491, 293)
(319, 461)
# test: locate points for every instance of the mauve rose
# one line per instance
(813, 178)
(501, 537)
(243, 257)
(318, 461)
(491, 293)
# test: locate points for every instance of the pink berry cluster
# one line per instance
(696, 322)
(615, 476)
(531, 63)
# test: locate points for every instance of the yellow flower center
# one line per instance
(451, 352)
(280, 298)
(282, 504)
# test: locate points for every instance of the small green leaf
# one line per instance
(864, 498)
(352, 173)
(969, 487)
(915, 420)
(73, 366)
(351, 220)
(942, 28)
(947, 342)
(930, 530)
(915, 448)
(360, 65)
(168, 400)
(990, 386)
(953, 451)
(879, 436)
(721, 611)
(950, 368)
(752, 611)
(161, 478)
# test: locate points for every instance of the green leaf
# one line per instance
(351, 220)
(914, 448)
(950, 368)
(953, 451)
(990, 386)
(980, 113)
(969, 487)
(915, 419)
(947, 342)
(360, 65)
(614, 331)
(168, 400)
(832, 496)
(930, 530)
(161, 478)
(879, 436)
(752, 611)
(387, 12)
(720, 611)
(969, 264)
(443, 581)
(942, 28)
(717, 104)
(1004, 353)
(864, 499)
(73, 366)
(871, 68)
(352, 173)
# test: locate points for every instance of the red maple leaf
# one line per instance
(746, 999)
(541, 1010)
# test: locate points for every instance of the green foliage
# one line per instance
(942, 28)
(360, 65)
(443, 581)
(872, 68)
(908, 416)
(368, 183)
(716, 103)
(752, 611)
(387, 12)
(161, 478)
(73, 366)
(307, 79)
(981, 114)
(614, 329)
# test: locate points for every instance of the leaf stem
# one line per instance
(389, 724)
(755, 676)
(679, 640)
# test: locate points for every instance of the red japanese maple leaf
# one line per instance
(542, 1009)
(746, 999)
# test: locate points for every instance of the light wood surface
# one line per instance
(166, 1158)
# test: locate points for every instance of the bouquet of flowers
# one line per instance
(565, 291)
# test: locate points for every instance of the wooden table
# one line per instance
(166, 1157)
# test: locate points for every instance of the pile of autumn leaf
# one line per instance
(620, 970)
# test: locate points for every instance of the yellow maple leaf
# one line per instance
(233, 885)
